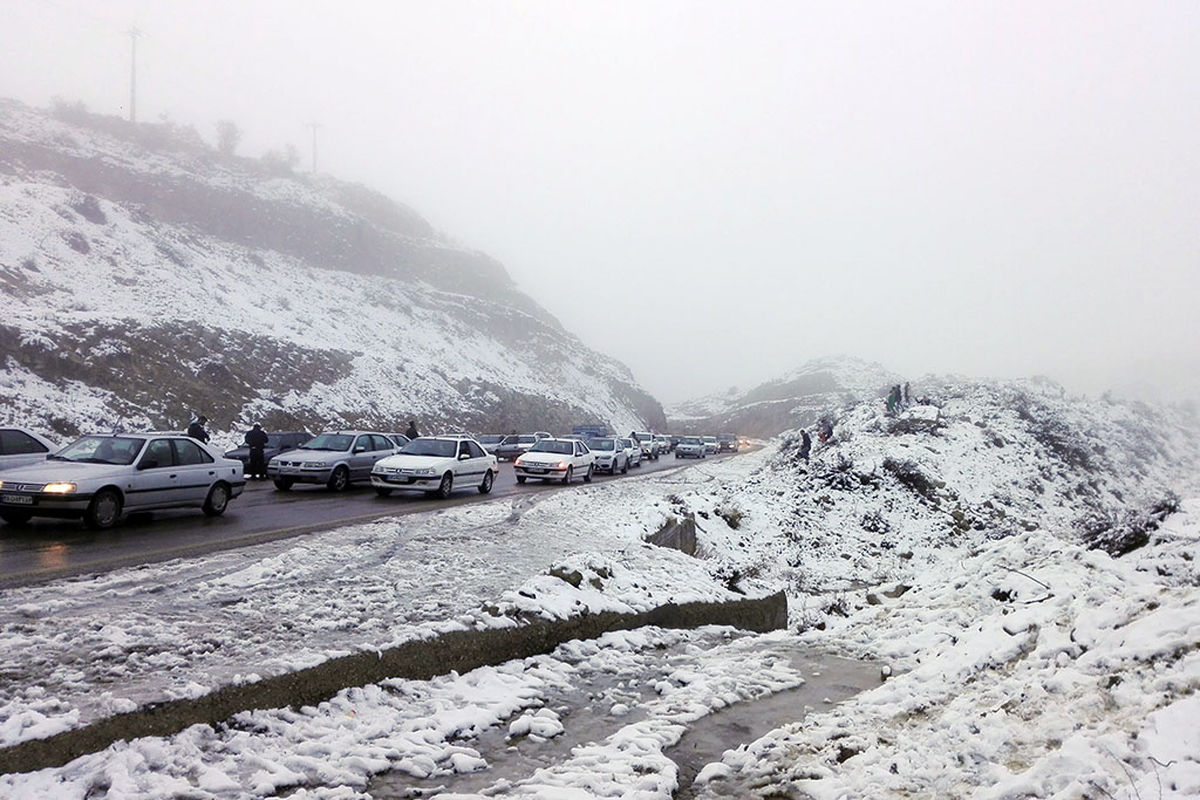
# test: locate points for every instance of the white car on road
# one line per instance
(556, 460)
(437, 465)
(633, 451)
(691, 447)
(102, 478)
(650, 446)
(711, 445)
(611, 456)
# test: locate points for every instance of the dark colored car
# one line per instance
(514, 445)
(277, 443)
(727, 442)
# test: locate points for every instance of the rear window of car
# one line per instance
(13, 442)
(602, 444)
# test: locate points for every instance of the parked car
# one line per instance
(437, 465)
(490, 441)
(556, 459)
(514, 445)
(19, 447)
(691, 447)
(278, 442)
(101, 478)
(710, 444)
(647, 442)
(633, 451)
(727, 442)
(335, 459)
(610, 455)
(399, 439)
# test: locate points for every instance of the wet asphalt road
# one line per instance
(47, 549)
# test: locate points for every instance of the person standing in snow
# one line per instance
(805, 444)
(411, 433)
(907, 399)
(256, 440)
(196, 429)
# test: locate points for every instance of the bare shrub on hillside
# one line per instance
(909, 474)
(1118, 531)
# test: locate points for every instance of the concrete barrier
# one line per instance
(677, 534)
(418, 660)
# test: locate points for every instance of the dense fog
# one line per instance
(716, 192)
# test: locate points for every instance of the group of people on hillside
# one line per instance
(898, 398)
(256, 440)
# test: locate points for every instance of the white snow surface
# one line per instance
(1022, 664)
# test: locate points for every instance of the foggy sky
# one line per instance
(715, 193)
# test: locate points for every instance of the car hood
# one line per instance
(326, 456)
(544, 458)
(405, 461)
(62, 471)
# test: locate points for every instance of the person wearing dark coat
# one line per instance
(256, 440)
(411, 433)
(196, 429)
(805, 444)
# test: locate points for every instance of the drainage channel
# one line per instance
(602, 703)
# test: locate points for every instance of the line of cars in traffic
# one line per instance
(102, 477)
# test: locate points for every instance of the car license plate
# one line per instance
(535, 470)
(17, 499)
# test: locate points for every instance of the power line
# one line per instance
(134, 33)
(314, 126)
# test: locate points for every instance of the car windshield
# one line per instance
(489, 438)
(690, 440)
(710, 438)
(329, 441)
(551, 446)
(274, 440)
(643, 436)
(441, 448)
(101, 450)
(602, 444)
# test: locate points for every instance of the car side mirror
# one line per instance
(463, 456)
(147, 463)
(360, 449)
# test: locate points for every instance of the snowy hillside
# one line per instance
(796, 399)
(145, 276)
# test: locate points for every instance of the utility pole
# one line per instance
(314, 126)
(134, 33)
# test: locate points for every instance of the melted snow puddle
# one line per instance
(606, 702)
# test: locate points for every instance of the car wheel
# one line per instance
(217, 500)
(284, 484)
(486, 486)
(520, 479)
(104, 510)
(587, 476)
(446, 486)
(339, 480)
(383, 491)
(567, 478)
(625, 467)
(16, 517)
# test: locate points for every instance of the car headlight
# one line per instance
(518, 463)
(59, 487)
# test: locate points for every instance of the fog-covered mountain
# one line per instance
(146, 276)
(794, 400)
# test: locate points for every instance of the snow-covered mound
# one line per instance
(145, 276)
(796, 399)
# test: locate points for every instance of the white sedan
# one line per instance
(101, 478)
(437, 465)
(556, 460)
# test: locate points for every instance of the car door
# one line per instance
(155, 479)
(361, 457)
(470, 470)
(18, 448)
(197, 472)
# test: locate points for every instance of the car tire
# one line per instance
(587, 477)
(16, 517)
(486, 486)
(520, 479)
(383, 491)
(339, 479)
(625, 467)
(446, 486)
(284, 484)
(217, 500)
(567, 478)
(104, 510)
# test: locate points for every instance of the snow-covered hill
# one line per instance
(796, 399)
(145, 277)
